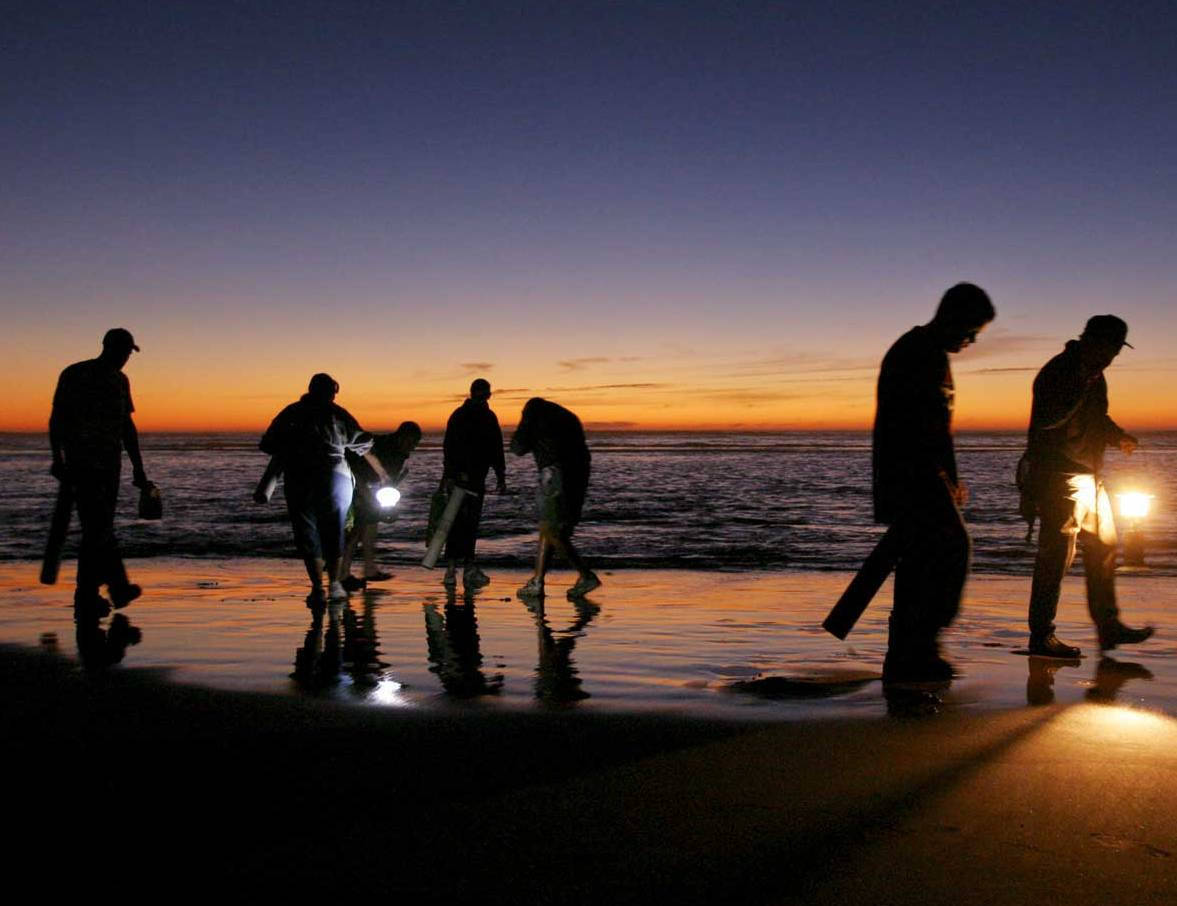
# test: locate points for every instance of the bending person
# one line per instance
(1069, 429)
(555, 437)
(310, 439)
(366, 512)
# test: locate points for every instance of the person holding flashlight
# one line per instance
(1063, 467)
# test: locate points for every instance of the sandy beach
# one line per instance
(604, 760)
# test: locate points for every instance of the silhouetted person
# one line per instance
(555, 437)
(1069, 430)
(89, 427)
(473, 446)
(310, 438)
(454, 649)
(916, 485)
(392, 450)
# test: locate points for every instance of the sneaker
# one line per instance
(1115, 633)
(584, 585)
(473, 577)
(121, 597)
(337, 593)
(316, 599)
(1052, 646)
(533, 589)
(378, 576)
(354, 583)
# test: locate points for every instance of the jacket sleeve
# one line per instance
(498, 461)
(1058, 393)
(277, 436)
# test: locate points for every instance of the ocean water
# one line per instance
(721, 501)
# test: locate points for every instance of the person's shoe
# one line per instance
(1052, 646)
(473, 577)
(1115, 633)
(919, 668)
(354, 583)
(316, 600)
(450, 579)
(336, 593)
(124, 595)
(378, 576)
(533, 589)
(584, 585)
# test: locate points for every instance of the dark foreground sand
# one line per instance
(126, 786)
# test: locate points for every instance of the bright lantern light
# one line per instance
(388, 496)
(1134, 505)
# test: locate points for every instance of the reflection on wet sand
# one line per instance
(557, 681)
(454, 651)
(361, 652)
(317, 662)
(99, 648)
(1110, 676)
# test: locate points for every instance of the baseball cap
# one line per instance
(1108, 329)
(119, 337)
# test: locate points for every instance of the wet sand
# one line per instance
(125, 779)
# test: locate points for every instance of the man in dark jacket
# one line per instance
(89, 428)
(555, 437)
(916, 486)
(473, 445)
(310, 438)
(1069, 429)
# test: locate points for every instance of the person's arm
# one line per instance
(131, 442)
(1058, 394)
(378, 467)
(57, 429)
(498, 462)
(522, 441)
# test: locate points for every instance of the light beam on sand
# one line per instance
(388, 692)
(1121, 724)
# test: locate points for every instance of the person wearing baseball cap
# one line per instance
(89, 428)
(1063, 467)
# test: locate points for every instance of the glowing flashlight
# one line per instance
(1134, 507)
(1134, 504)
(388, 496)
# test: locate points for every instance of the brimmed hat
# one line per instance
(120, 338)
(1108, 329)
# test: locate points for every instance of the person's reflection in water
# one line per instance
(455, 653)
(557, 681)
(361, 653)
(99, 648)
(1111, 674)
(1040, 681)
(317, 662)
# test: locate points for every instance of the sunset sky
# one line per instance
(671, 214)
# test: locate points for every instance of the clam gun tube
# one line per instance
(269, 480)
(864, 586)
(58, 529)
(444, 524)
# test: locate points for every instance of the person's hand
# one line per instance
(1128, 444)
(259, 497)
(58, 470)
(139, 479)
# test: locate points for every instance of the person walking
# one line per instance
(1063, 483)
(89, 427)
(555, 437)
(310, 439)
(473, 445)
(917, 489)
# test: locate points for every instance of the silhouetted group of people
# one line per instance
(918, 491)
(336, 473)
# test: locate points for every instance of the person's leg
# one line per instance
(535, 585)
(1056, 550)
(1099, 567)
(92, 515)
(368, 539)
(351, 539)
(303, 523)
(332, 517)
